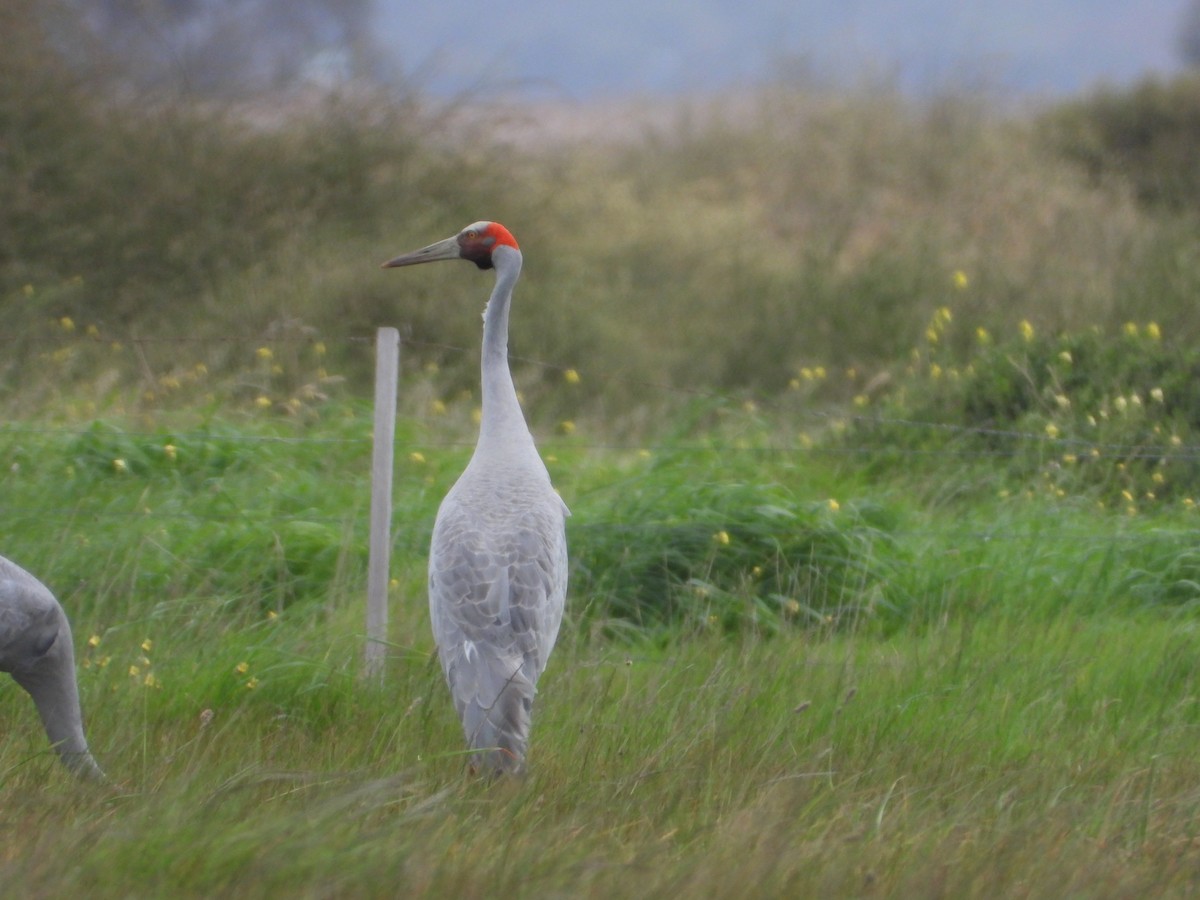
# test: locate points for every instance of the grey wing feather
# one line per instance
(496, 603)
(506, 595)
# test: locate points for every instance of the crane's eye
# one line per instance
(472, 234)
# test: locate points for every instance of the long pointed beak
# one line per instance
(447, 249)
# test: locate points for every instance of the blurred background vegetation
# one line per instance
(724, 244)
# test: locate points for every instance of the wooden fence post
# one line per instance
(387, 368)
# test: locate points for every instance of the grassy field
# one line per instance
(880, 425)
(996, 697)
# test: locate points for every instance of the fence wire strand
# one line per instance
(1017, 441)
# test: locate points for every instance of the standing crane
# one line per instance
(498, 559)
(36, 649)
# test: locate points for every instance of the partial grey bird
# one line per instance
(498, 559)
(36, 649)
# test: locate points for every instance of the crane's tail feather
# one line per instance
(496, 717)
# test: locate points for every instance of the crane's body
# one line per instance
(36, 649)
(498, 558)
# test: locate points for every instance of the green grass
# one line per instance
(1001, 702)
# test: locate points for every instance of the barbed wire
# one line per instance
(1182, 452)
(864, 422)
(1126, 528)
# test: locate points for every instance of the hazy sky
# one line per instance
(614, 47)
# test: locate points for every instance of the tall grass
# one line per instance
(973, 694)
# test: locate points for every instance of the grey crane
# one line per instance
(498, 559)
(36, 649)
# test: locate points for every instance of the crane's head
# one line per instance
(475, 243)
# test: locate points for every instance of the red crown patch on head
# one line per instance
(502, 235)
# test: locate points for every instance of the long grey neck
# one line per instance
(503, 425)
(51, 684)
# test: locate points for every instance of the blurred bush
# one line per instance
(720, 245)
(1145, 136)
(1111, 416)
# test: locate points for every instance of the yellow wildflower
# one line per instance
(721, 537)
(146, 645)
(1152, 331)
(251, 684)
(1156, 394)
(1131, 329)
(262, 401)
(1026, 329)
(94, 640)
(264, 353)
(242, 668)
(119, 465)
(170, 451)
(416, 457)
(571, 376)
(833, 505)
(67, 323)
(982, 336)
(960, 280)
